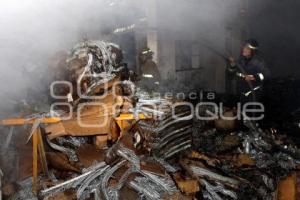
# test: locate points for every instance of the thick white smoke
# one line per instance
(33, 31)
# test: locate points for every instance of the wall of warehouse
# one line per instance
(188, 46)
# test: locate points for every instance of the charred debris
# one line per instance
(140, 151)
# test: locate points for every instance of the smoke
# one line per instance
(34, 31)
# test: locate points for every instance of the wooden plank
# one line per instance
(130, 117)
(51, 120)
(34, 161)
(22, 121)
(42, 153)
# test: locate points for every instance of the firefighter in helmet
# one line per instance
(150, 73)
(251, 72)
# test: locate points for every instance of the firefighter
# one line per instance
(251, 72)
(150, 74)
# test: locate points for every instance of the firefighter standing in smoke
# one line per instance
(251, 72)
(150, 74)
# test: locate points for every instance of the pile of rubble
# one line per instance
(160, 152)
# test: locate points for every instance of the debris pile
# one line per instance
(241, 163)
(149, 148)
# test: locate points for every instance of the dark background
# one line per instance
(275, 24)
